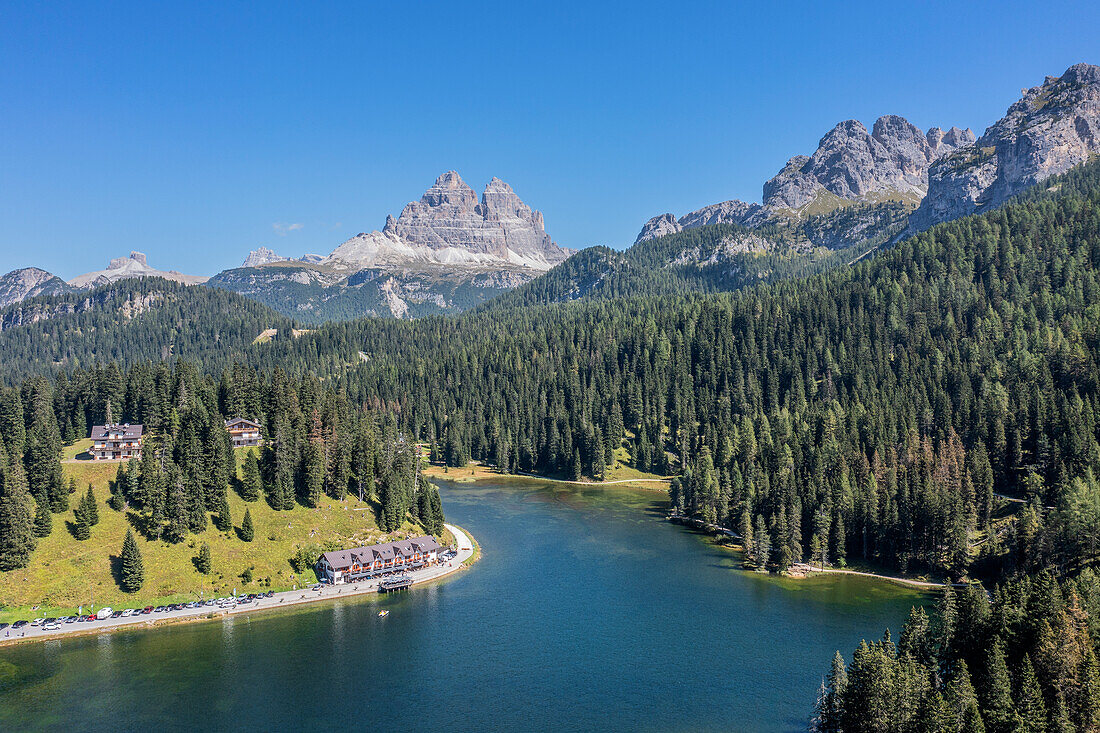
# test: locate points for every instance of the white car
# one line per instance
(38, 621)
(104, 612)
(52, 626)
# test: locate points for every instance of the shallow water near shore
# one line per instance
(587, 611)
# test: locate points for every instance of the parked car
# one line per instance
(38, 622)
(69, 619)
(51, 626)
(19, 624)
(159, 609)
(104, 613)
(83, 617)
(50, 620)
(3, 625)
(116, 614)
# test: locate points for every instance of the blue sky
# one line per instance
(199, 132)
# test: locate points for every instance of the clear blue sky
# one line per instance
(196, 134)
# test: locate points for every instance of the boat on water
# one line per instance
(383, 614)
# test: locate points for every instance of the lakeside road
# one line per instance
(282, 599)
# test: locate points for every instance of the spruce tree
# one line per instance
(81, 529)
(1086, 702)
(996, 692)
(963, 701)
(91, 511)
(313, 473)
(43, 520)
(251, 482)
(133, 570)
(202, 561)
(223, 520)
(16, 541)
(1030, 706)
(247, 532)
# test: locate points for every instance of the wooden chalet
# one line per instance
(116, 442)
(244, 432)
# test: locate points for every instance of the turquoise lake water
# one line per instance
(586, 612)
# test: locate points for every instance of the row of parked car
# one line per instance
(53, 624)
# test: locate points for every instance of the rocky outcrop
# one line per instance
(1052, 128)
(18, 285)
(262, 256)
(852, 164)
(727, 212)
(658, 226)
(450, 225)
(448, 251)
(136, 265)
(265, 256)
(889, 163)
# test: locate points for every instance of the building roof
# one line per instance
(99, 432)
(241, 421)
(385, 551)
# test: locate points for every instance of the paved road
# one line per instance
(279, 600)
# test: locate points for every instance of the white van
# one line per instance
(104, 612)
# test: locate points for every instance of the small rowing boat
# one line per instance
(383, 614)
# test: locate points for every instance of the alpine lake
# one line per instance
(587, 611)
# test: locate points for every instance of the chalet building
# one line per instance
(116, 442)
(245, 433)
(363, 563)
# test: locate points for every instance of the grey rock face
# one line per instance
(727, 212)
(18, 285)
(262, 256)
(658, 226)
(265, 256)
(500, 225)
(890, 161)
(1052, 128)
(136, 265)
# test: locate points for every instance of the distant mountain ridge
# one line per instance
(136, 265)
(1052, 128)
(448, 251)
(850, 165)
(28, 282)
(932, 176)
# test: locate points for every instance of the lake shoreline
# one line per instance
(479, 472)
(469, 552)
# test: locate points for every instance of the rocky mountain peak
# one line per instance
(449, 190)
(451, 226)
(136, 265)
(261, 256)
(852, 164)
(659, 226)
(499, 227)
(28, 282)
(942, 141)
(1050, 129)
(119, 263)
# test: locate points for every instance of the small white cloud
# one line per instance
(283, 229)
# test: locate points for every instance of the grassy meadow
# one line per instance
(65, 572)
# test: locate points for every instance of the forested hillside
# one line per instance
(129, 321)
(710, 259)
(318, 445)
(869, 412)
(1021, 660)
